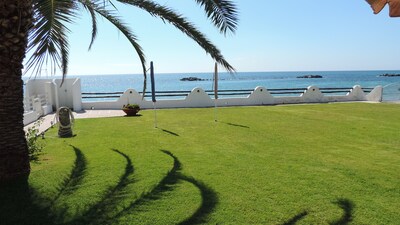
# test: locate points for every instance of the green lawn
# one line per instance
(295, 164)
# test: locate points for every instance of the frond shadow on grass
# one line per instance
(347, 206)
(346, 218)
(209, 200)
(78, 172)
(100, 212)
(22, 205)
(296, 218)
(168, 183)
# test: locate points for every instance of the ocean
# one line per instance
(246, 80)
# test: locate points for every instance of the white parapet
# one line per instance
(259, 96)
(70, 94)
(357, 94)
(376, 94)
(312, 95)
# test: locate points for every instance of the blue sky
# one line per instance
(289, 35)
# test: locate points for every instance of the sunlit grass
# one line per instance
(303, 164)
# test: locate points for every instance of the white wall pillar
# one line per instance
(77, 95)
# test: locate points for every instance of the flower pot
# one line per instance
(130, 112)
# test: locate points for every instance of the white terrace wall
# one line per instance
(37, 100)
(68, 94)
(44, 96)
(260, 96)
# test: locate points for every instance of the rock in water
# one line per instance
(310, 76)
(390, 75)
(191, 79)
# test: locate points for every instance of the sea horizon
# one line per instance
(174, 73)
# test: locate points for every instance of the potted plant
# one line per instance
(131, 109)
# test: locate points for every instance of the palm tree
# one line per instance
(15, 22)
(48, 41)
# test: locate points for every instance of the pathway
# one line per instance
(49, 119)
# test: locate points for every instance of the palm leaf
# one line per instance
(222, 13)
(48, 37)
(112, 18)
(92, 13)
(94, 24)
(167, 14)
(49, 43)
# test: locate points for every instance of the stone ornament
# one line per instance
(65, 120)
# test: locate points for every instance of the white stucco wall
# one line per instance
(376, 94)
(260, 96)
(70, 95)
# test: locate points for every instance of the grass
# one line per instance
(297, 164)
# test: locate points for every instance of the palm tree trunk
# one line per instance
(15, 21)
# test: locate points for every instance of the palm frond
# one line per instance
(223, 14)
(94, 24)
(48, 37)
(167, 14)
(86, 5)
(115, 20)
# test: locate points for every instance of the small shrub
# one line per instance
(32, 135)
(131, 106)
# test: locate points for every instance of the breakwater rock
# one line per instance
(192, 79)
(390, 75)
(310, 76)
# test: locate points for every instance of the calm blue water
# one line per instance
(246, 80)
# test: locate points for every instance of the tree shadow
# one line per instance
(35, 158)
(100, 212)
(346, 218)
(348, 207)
(168, 183)
(137, 115)
(19, 205)
(237, 125)
(22, 204)
(78, 171)
(67, 137)
(209, 200)
(209, 197)
(170, 132)
(296, 218)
